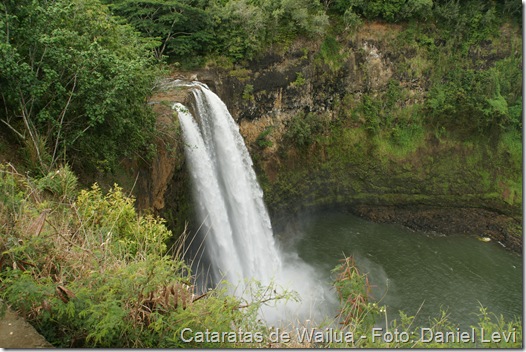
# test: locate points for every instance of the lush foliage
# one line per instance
(262, 141)
(392, 11)
(454, 14)
(354, 293)
(182, 27)
(74, 82)
(460, 76)
(303, 128)
(74, 78)
(479, 101)
(87, 271)
(191, 30)
(418, 112)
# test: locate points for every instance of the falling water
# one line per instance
(239, 239)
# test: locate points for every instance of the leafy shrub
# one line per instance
(469, 101)
(75, 82)
(391, 11)
(351, 19)
(11, 192)
(262, 141)
(467, 22)
(189, 31)
(330, 54)
(370, 110)
(182, 27)
(299, 81)
(354, 293)
(248, 92)
(96, 274)
(302, 129)
(62, 183)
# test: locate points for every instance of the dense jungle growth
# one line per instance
(87, 268)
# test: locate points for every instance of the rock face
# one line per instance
(436, 187)
(15, 332)
(163, 186)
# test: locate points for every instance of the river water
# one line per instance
(411, 269)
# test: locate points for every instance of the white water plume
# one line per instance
(229, 201)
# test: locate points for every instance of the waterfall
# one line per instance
(229, 201)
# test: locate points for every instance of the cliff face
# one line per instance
(296, 111)
(162, 185)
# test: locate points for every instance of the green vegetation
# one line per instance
(262, 141)
(303, 128)
(247, 92)
(479, 101)
(190, 31)
(93, 273)
(300, 80)
(182, 27)
(75, 76)
(74, 82)
(330, 54)
(454, 13)
(452, 98)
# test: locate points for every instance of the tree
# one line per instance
(183, 27)
(73, 81)
(391, 11)
(243, 28)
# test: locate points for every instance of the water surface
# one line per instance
(409, 268)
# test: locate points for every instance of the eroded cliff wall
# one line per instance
(307, 113)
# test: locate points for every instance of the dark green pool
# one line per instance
(408, 268)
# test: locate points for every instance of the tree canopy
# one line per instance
(75, 74)
(191, 30)
(74, 81)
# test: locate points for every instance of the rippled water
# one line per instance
(410, 268)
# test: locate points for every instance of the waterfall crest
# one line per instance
(229, 201)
